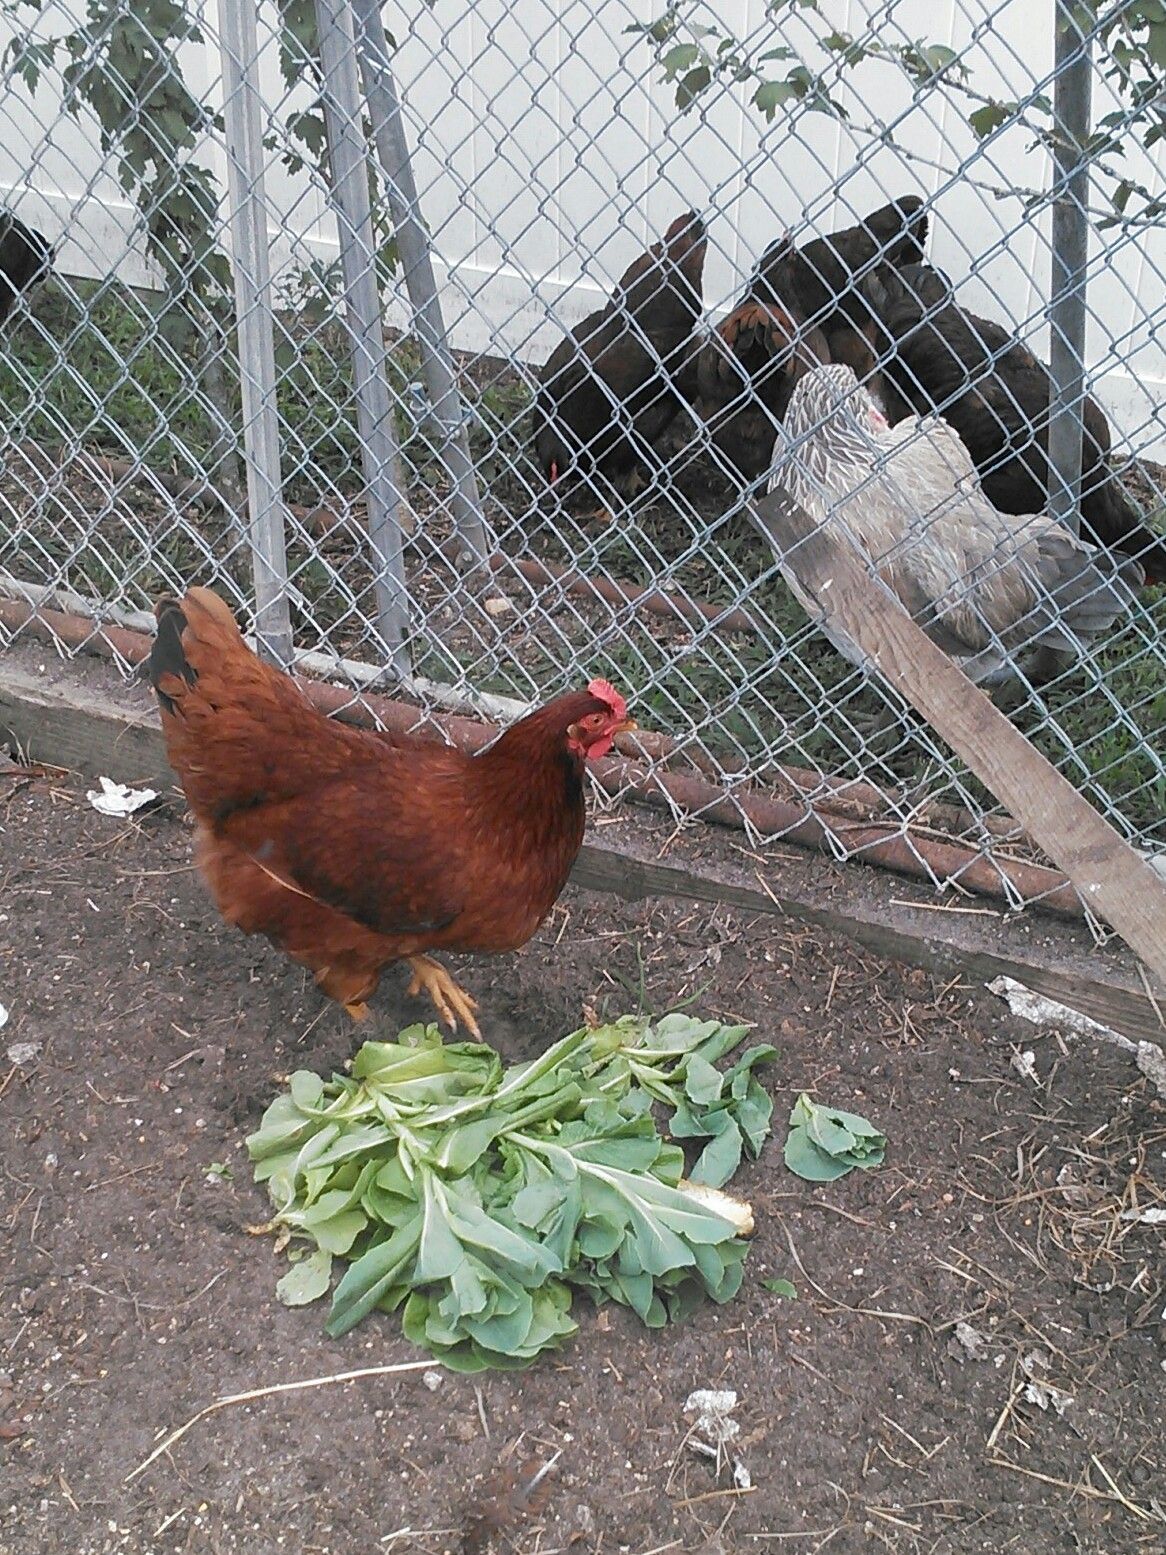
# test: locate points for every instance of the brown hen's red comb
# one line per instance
(606, 692)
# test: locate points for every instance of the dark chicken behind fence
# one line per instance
(607, 391)
(937, 356)
(26, 257)
(798, 312)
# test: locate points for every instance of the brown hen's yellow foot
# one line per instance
(358, 1012)
(451, 1002)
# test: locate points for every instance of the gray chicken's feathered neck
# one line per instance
(826, 451)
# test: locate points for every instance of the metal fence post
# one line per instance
(239, 47)
(1072, 90)
(384, 108)
(380, 455)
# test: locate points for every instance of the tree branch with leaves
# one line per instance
(1129, 36)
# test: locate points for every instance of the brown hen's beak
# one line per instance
(625, 726)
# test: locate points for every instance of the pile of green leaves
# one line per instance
(825, 1143)
(477, 1198)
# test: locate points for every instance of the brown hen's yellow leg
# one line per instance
(358, 1012)
(451, 1002)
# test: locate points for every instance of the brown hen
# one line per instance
(746, 374)
(350, 849)
(800, 311)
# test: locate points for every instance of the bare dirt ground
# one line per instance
(132, 1296)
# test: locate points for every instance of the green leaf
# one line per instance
(721, 1157)
(772, 95)
(307, 1089)
(517, 1254)
(600, 1235)
(372, 1276)
(691, 86)
(681, 1032)
(990, 117)
(853, 1122)
(924, 61)
(702, 1083)
(336, 1233)
(829, 1133)
(1156, 43)
(307, 1280)
(825, 1143)
(687, 1124)
(534, 1205)
(355, 1141)
(679, 58)
(754, 1113)
(722, 1041)
(939, 56)
(465, 1145)
(440, 1253)
(804, 1159)
(659, 31)
(780, 1288)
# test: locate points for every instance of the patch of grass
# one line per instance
(90, 365)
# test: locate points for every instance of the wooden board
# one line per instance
(83, 718)
(1063, 964)
(86, 730)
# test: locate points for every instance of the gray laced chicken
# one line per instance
(987, 587)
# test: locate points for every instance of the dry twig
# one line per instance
(277, 1387)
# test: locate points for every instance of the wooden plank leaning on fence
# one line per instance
(1112, 878)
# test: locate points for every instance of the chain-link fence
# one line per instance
(306, 338)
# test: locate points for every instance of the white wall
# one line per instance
(547, 153)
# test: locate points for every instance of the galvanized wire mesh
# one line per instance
(376, 491)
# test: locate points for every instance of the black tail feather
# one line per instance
(1112, 518)
(167, 655)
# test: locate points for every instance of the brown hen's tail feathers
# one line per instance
(239, 731)
(168, 661)
(686, 244)
(213, 630)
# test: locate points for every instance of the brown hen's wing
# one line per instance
(755, 342)
(658, 299)
(992, 389)
(381, 845)
(665, 283)
(818, 278)
(602, 392)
